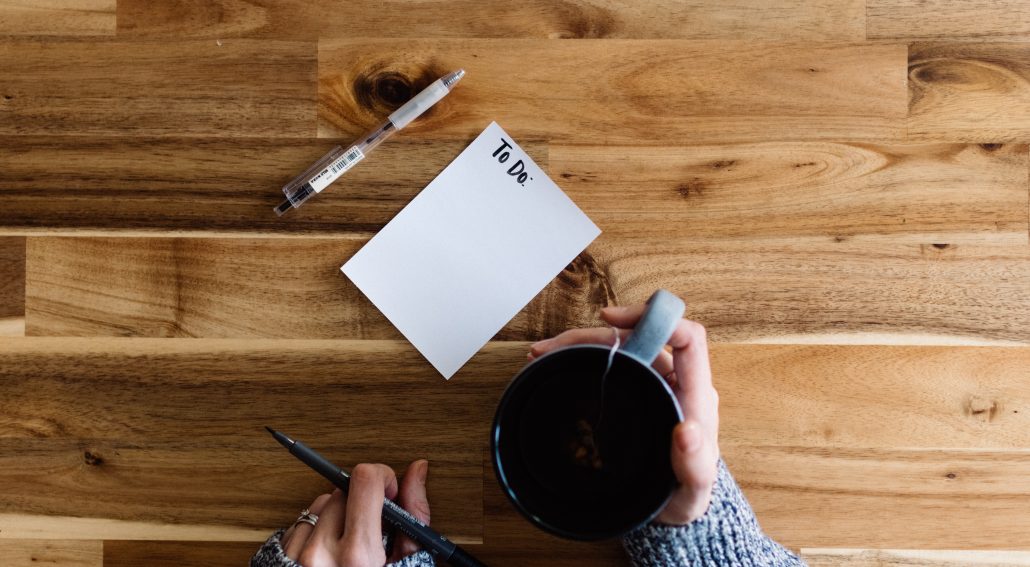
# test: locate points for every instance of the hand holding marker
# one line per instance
(326, 170)
(441, 548)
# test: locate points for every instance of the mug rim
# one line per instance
(499, 469)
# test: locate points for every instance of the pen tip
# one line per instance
(454, 77)
(281, 209)
(270, 430)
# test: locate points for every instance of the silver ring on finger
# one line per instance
(307, 517)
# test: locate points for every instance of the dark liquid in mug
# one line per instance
(582, 465)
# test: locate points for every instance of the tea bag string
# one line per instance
(604, 377)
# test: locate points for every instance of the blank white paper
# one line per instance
(471, 250)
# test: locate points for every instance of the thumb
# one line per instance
(412, 497)
(695, 470)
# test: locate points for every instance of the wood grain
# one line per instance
(206, 186)
(293, 19)
(12, 286)
(33, 553)
(897, 193)
(566, 91)
(57, 18)
(177, 436)
(884, 397)
(869, 498)
(977, 20)
(173, 88)
(743, 291)
(115, 448)
(969, 91)
(829, 557)
(26, 526)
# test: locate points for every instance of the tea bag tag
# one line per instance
(604, 377)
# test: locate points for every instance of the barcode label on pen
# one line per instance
(336, 169)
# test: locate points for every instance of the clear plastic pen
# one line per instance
(325, 171)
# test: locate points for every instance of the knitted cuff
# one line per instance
(728, 534)
(272, 554)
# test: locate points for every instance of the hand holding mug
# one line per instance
(695, 441)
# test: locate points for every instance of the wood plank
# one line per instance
(917, 193)
(12, 286)
(206, 185)
(177, 553)
(170, 431)
(840, 478)
(733, 91)
(32, 553)
(897, 498)
(830, 557)
(26, 526)
(293, 19)
(969, 91)
(744, 291)
(173, 88)
(979, 20)
(885, 397)
(58, 17)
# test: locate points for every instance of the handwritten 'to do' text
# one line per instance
(518, 169)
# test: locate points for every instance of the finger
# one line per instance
(295, 537)
(330, 521)
(694, 461)
(363, 527)
(595, 336)
(693, 370)
(412, 497)
(623, 317)
(663, 364)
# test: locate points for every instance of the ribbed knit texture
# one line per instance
(727, 535)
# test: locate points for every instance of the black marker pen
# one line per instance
(440, 547)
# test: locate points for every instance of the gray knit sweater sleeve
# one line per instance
(271, 554)
(727, 535)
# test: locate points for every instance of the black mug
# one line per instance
(583, 454)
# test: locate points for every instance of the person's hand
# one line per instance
(349, 530)
(695, 442)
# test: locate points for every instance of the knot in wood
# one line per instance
(385, 90)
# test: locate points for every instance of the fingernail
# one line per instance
(423, 470)
(614, 309)
(689, 439)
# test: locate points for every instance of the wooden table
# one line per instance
(838, 188)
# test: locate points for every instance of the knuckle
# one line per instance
(319, 502)
(364, 473)
(312, 556)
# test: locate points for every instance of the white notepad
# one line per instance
(471, 250)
